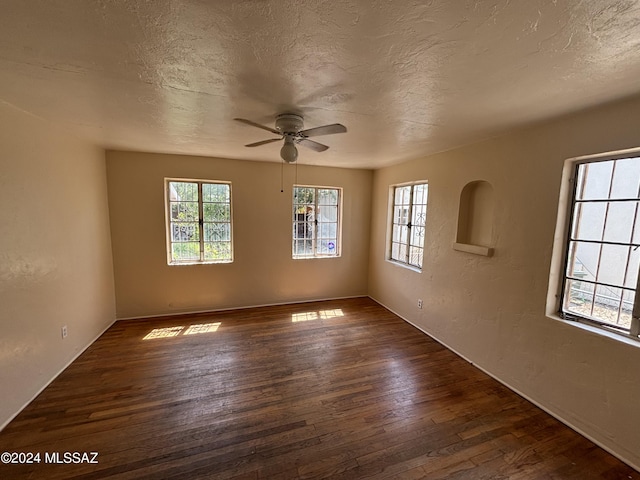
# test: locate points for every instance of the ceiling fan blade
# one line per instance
(254, 124)
(263, 142)
(318, 147)
(324, 130)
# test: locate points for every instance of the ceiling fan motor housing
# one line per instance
(289, 123)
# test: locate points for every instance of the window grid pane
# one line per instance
(408, 224)
(401, 212)
(315, 222)
(602, 260)
(200, 222)
(216, 208)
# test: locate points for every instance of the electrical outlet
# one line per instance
(64, 331)
(419, 303)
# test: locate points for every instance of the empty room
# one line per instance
(303, 240)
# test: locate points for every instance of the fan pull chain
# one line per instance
(282, 176)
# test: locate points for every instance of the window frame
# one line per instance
(561, 256)
(167, 211)
(391, 223)
(315, 237)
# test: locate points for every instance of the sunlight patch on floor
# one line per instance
(168, 332)
(202, 328)
(304, 317)
(163, 332)
(337, 312)
(322, 314)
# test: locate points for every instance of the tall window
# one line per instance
(408, 224)
(198, 222)
(603, 256)
(316, 222)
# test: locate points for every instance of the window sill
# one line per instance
(475, 249)
(179, 264)
(603, 332)
(404, 265)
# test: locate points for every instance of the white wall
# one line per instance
(55, 254)
(492, 310)
(263, 271)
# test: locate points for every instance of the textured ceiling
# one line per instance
(407, 78)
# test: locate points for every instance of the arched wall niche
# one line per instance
(476, 218)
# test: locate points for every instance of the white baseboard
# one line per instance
(541, 406)
(204, 312)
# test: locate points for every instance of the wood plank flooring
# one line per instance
(338, 389)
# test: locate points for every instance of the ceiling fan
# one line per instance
(289, 127)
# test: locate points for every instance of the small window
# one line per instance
(409, 215)
(316, 222)
(603, 246)
(198, 222)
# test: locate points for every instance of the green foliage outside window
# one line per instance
(200, 222)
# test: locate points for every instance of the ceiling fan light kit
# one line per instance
(289, 152)
(289, 127)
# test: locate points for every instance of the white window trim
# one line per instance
(339, 226)
(560, 250)
(388, 241)
(167, 217)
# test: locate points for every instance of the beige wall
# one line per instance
(492, 310)
(55, 266)
(55, 254)
(263, 271)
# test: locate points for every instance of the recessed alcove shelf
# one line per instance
(475, 249)
(475, 219)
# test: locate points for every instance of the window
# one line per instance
(603, 246)
(198, 222)
(316, 222)
(408, 220)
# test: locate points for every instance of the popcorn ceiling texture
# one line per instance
(407, 78)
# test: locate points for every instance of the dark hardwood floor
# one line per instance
(339, 389)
